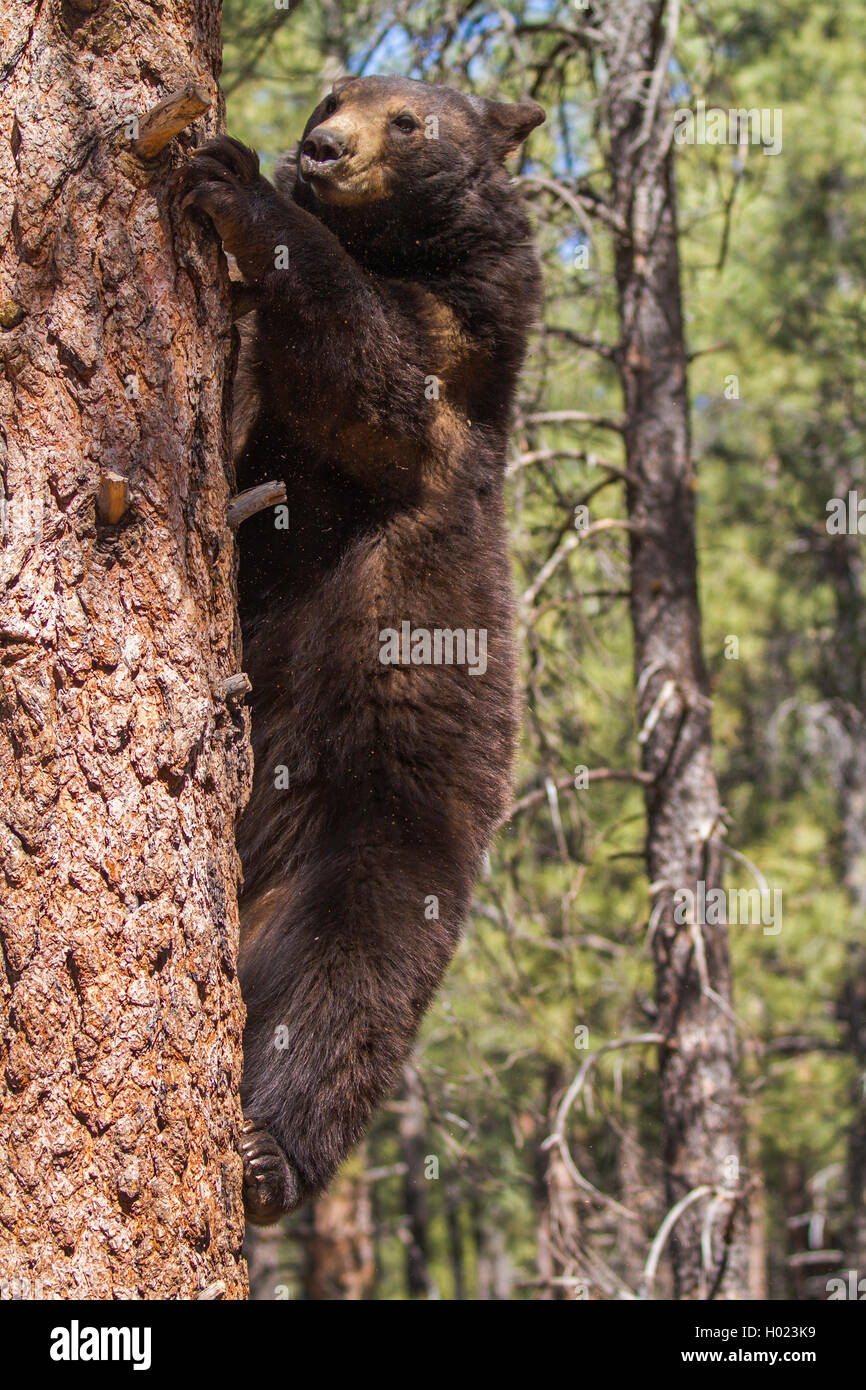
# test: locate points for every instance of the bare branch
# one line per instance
(254, 499)
(606, 350)
(595, 774)
(574, 417)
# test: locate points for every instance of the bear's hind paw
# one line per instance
(272, 1187)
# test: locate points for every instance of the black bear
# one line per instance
(394, 281)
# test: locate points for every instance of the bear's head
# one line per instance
(392, 148)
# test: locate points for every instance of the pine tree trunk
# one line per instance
(698, 1071)
(411, 1129)
(123, 766)
(845, 682)
(340, 1264)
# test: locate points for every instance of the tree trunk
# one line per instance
(698, 1070)
(267, 1253)
(455, 1241)
(124, 767)
(637, 1195)
(548, 1255)
(419, 1281)
(340, 1263)
(845, 719)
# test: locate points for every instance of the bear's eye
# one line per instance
(406, 123)
(330, 106)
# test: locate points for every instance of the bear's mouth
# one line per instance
(313, 169)
(327, 174)
(336, 181)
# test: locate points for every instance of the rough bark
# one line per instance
(698, 1070)
(123, 768)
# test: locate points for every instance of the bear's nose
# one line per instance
(324, 145)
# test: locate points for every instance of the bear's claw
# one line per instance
(232, 156)
(223, 182)
(271, 1185)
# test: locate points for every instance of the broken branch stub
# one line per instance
(168, 118)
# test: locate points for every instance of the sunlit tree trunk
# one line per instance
(123, 762)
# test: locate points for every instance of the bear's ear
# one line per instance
(341, 82)
(508, 122)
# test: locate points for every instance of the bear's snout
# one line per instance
(324, 145)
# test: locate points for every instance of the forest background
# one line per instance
(454, 1195)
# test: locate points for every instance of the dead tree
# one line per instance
(698, 1061)
(123, 750)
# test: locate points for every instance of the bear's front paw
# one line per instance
(222, 180)
(272, 1187)
(235, 159)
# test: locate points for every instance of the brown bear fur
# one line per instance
(409, 259)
